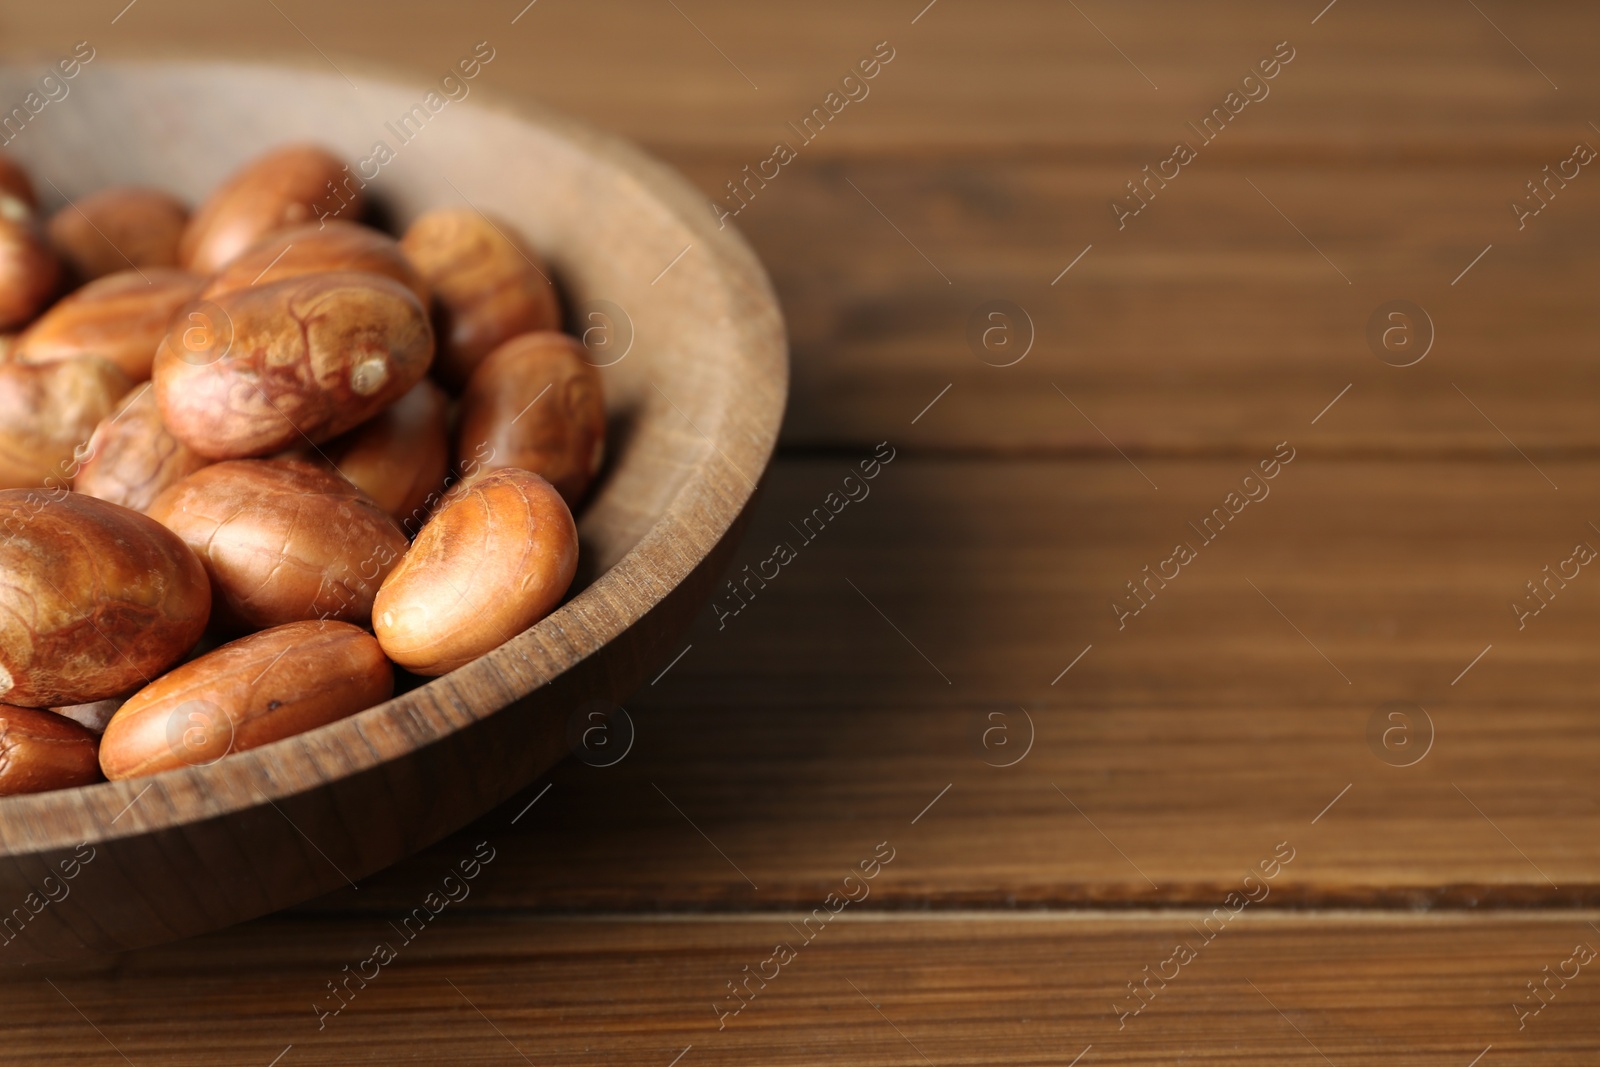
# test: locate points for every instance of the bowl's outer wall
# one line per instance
(695, 408)
(187, 879)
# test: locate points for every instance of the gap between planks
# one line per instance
(846, 448)
(1074, 916)
(1336, 155)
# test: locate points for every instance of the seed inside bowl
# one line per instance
(244, 519)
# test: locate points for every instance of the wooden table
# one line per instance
(1328, 796)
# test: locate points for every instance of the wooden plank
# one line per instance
(1198, 326)
(1206, 325)
(1173, 754)
(970, 990)
(1114, 807)
(1429, 79)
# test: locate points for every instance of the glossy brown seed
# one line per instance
(131, 457)
(285, 187)
(47, 412)
(14, 182)
(272, 367)
(121, 317)
(317, 248)
(41, 751)
(488, 286)
(401, 457)
(495, 558)
(283, 540)
(121, 228)
(248, 693)
(30, 272)
(94, 599)
(536, 403)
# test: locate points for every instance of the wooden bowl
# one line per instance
(695, 399)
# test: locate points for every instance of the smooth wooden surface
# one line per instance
(1199, 736)
(1394, 141)
(1229, 716)
(964, 989)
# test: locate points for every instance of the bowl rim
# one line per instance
(698, 517)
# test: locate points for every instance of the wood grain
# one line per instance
(1194, 740)
(1208, 325)
(1187, 331)
(1017, 78)
(958, 990)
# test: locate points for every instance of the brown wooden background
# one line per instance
(907, 650)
